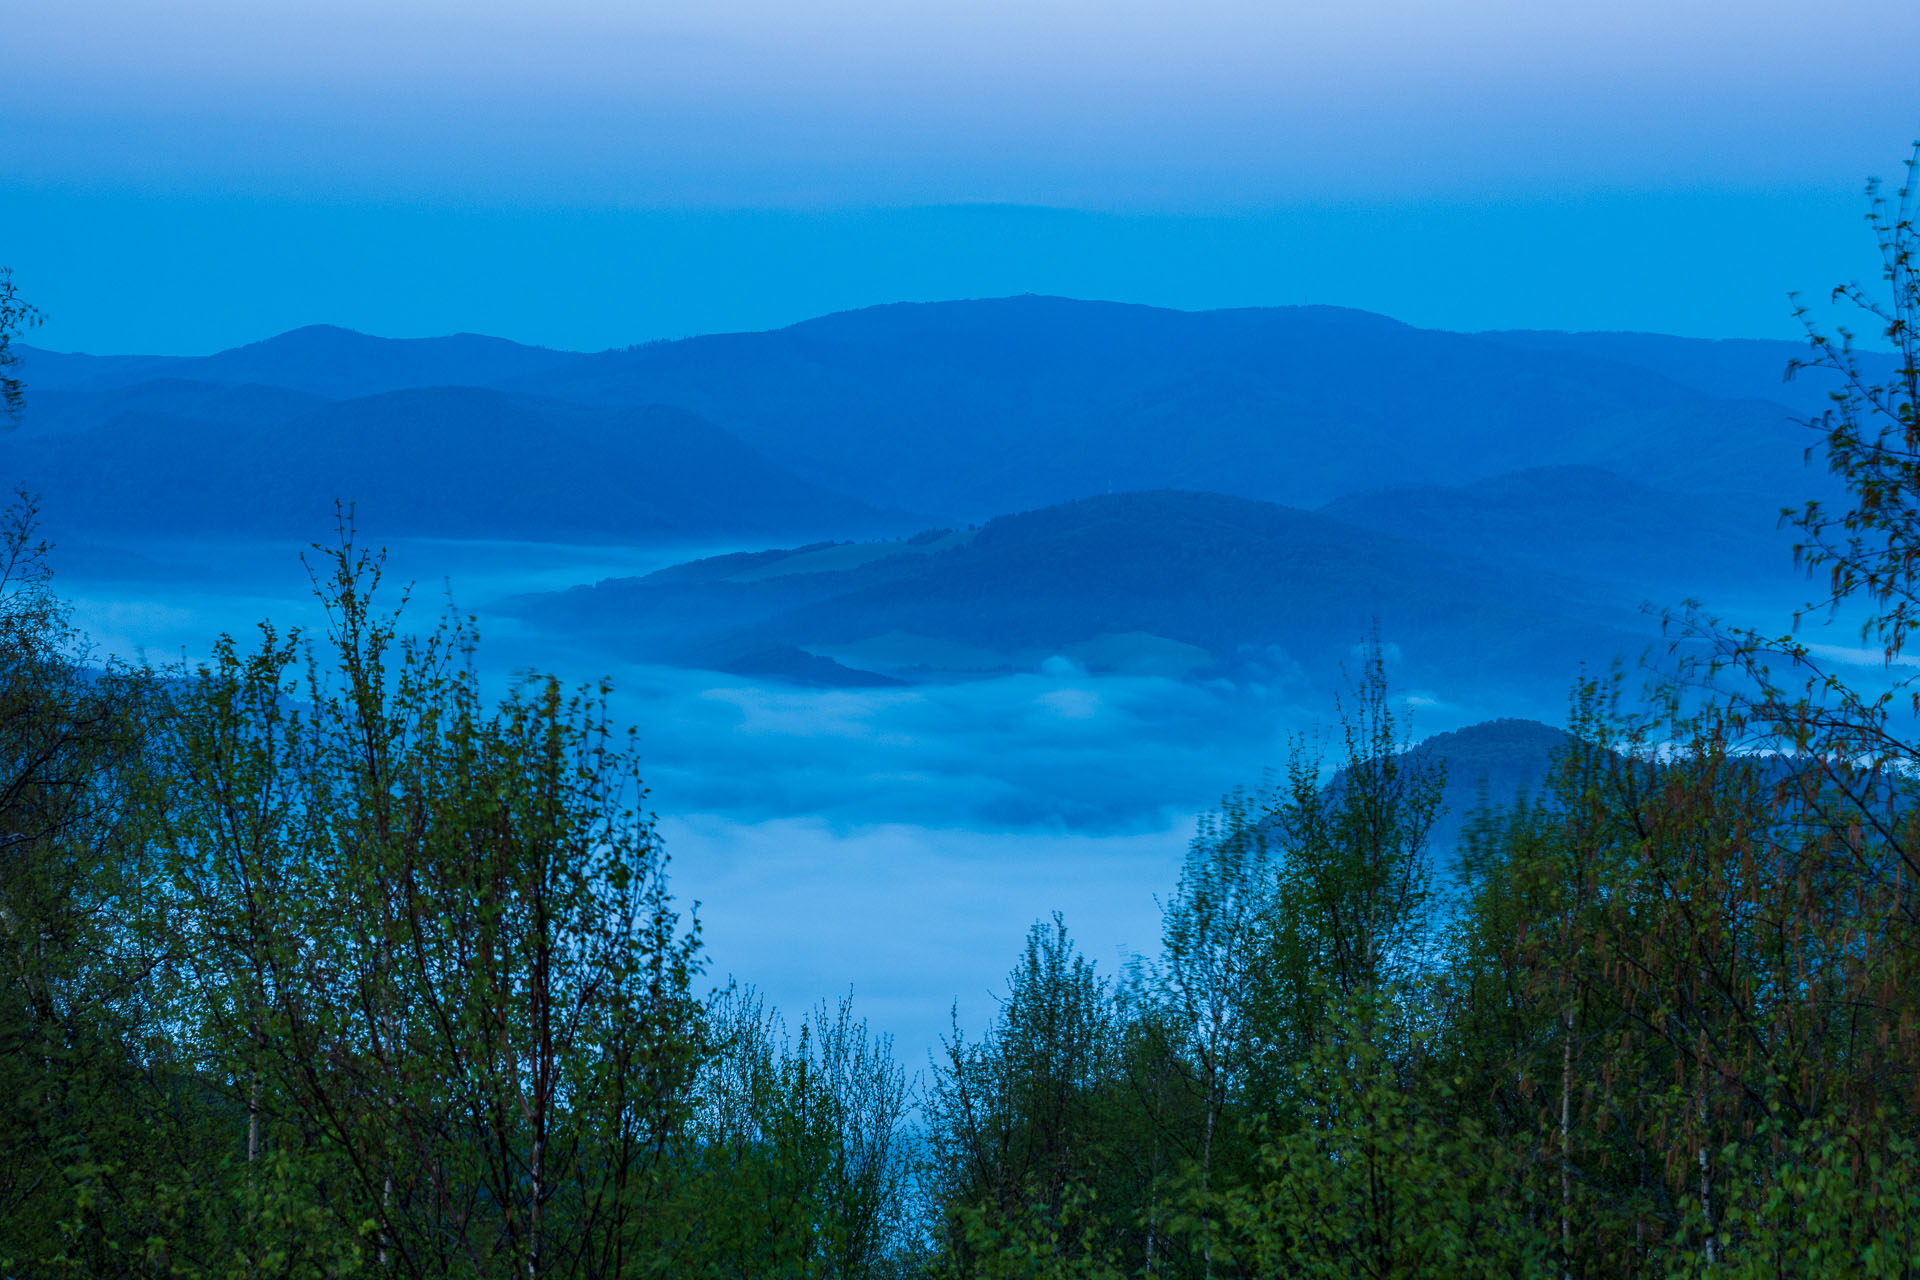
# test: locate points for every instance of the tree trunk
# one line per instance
(1566, 1150)
(1711, 1249)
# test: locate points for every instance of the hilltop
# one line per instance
(1163, 582)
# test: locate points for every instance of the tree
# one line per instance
(1015, 1119)
(1224, 940)
(797, 1161)
(433, 956)
(1171, 1126)
(1357, 1169)
(16, 316)
(86, 1090)
(1871, 433)
(1356, 870)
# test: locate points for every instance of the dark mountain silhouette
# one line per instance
(453, 462)
(322, 359)
(973, 408)
(1238, 585)
(1487, 766)
(1498, 760)
(1592, 522)
(1635, 461)
(65, 412)
(970, 409)
(1483, 768)
(1725, 368)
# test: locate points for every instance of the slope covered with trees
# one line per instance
(1118, 582)
(1593, 523)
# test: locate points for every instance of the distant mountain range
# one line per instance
(1494, 500)
(966, 410)
(172, 457)
(321, 360)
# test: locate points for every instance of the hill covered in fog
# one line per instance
(1165, 582)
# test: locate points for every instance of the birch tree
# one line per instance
(434, 942)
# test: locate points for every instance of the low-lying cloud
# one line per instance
(922, 923)
(898, 841)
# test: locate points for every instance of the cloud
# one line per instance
(898, 840)
(1054, 751)
(918, 921)
(1030, 751)
(1071, 704)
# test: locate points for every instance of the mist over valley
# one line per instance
(1024, 582)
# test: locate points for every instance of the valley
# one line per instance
(957, 586)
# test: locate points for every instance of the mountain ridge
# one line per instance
(457, 462)
(1234, 584)
(968, 409)
(321, 359)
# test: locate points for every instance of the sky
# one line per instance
(180, 177)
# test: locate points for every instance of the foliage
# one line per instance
(1872, 437)
(1375, 1178)
(16, 316)
(430, 944)
(802, 1140)
(83, 1028)
(321, 964)
(1010, 1113)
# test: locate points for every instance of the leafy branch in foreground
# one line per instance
(431, 941)
(1866, 553)
(16, 316)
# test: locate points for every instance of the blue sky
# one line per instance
(176, 177)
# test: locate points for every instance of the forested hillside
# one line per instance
(1593, 523)
(1129, 581)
